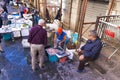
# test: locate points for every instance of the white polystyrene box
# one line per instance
(16, 34)
(25, 43)
(25, 32)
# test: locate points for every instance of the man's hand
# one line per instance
(81, 57)
(78, 50)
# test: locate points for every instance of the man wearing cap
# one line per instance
(90, 51)
(59, 38)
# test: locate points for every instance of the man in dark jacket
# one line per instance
(90, 51)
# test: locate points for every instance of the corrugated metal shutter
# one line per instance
(94, 9)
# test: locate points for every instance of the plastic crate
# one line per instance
(25, 32)
(16, 34)
(63, 59)
(53, 58)
(7, 36)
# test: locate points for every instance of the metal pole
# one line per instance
(70, 13)
(110, 7)
(78, 15)
(61, 13)
(45, 7)
(61, 6)
(38, 5)
(81, 21)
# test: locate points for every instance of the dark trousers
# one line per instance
(0, 37)
(82, 62)
(22, 13)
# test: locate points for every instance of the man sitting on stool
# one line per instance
(90, 51)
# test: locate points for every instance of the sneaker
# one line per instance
(42, 68)
(34, 70)
(87, 64)
(2, 51)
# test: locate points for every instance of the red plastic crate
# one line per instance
(62, 60)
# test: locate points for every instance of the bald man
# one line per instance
(37, 40)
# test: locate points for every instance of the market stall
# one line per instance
(17, 26)
(21, 25)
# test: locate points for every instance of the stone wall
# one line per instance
(65, 12)
(70, 23)
(75, 14)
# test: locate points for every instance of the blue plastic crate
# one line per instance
(53, 58)
(7, 36)
(16, 14)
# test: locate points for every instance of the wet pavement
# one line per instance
(14, 65)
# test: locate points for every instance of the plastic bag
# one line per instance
(75, 37)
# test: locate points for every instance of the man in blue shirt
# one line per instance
(60, 38)
(90, 51)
